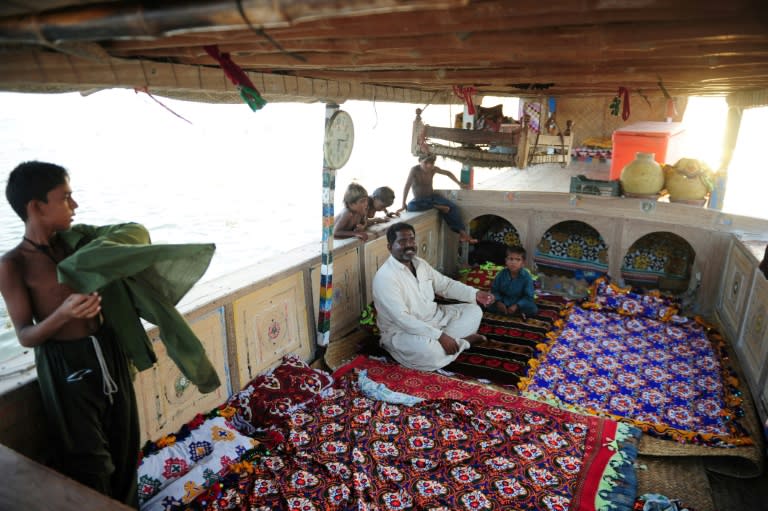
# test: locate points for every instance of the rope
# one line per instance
(109, 386)
(429, 102)
(145, 90)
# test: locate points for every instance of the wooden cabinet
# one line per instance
(347, 301)
(376, 252)
(752, 347)
(269, 323)
(166, 398)
(735, 289)
(427, 238)
(743, 313)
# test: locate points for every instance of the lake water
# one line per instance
(248, 181)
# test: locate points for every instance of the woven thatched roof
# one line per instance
(396, 50)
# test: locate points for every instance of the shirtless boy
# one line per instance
(85, 383)
(380, 200)
(424, 196)
(353, 219)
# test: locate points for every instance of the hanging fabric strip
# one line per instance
(466, 93)
(326, 261)
(238, 77)
(624, 95)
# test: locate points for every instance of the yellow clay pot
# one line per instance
(642, 176)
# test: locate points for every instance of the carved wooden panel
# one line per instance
(427, 239)
(269, 323)
(347, 299)
(753, 345)
(375, 253)
(166, 398)
(734, 290)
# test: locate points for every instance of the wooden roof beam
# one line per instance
(151, 20)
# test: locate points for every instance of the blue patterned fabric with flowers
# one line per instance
(610, 297)
(668, 378)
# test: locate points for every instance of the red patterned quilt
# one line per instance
(353, 452)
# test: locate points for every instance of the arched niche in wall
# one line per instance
(659, 260)
(494, 234)
(570, 249)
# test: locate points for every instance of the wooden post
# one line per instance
(326, 260)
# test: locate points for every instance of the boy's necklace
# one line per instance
(45, 249)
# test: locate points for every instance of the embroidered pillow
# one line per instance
(607, 296)
(481, 277)
(269, 398)
(209, 449)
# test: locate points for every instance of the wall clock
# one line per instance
(339, 139)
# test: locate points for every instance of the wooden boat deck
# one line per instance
(542, 177)
(686, 479)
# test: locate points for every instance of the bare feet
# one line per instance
(442, 208)
(475, 338)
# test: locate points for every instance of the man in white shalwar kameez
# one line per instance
(415, 330)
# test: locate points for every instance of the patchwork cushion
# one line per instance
(607, 296)
(196, 461)
(269, 398)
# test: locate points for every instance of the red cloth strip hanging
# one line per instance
(466, 93)
(237, 76)
(624, 95)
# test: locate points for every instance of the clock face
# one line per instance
(339, 139)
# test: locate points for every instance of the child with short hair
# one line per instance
(353, 219)
(380, 200)
(513, 286)
(85, 382)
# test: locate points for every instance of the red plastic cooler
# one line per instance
(664, 139)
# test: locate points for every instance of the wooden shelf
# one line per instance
(543, 148)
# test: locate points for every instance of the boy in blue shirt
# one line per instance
(513, 286)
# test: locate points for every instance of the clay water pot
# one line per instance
(686, 181)
(642, 176)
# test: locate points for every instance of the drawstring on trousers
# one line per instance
(109, 385)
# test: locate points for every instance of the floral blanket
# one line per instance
(628, 357)
(353, 452)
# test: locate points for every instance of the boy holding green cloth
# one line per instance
(76, 294)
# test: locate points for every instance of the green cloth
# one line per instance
(139, 280)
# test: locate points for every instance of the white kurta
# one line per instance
(411, 322)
